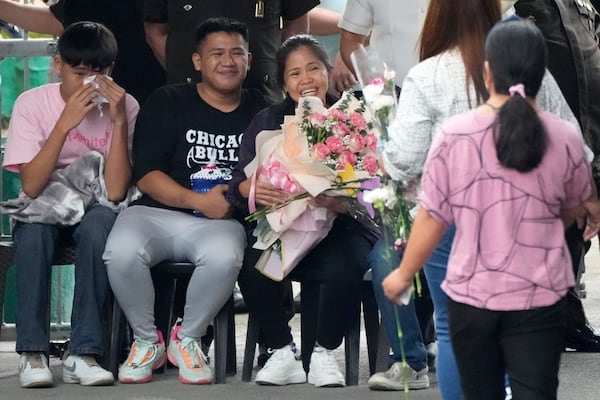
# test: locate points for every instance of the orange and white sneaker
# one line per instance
(144, 357)
(187, 355)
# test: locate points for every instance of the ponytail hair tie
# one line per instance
(518, 88)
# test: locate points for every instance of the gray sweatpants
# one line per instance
(144, 236)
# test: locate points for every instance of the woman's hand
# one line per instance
(395, 284)
(333, 203)
(268, 195)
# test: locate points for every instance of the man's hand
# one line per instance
(215, 206)
(78, 105)
(340, 78)
(115, 95)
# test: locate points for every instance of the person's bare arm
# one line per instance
(156, 37)
(348, 43)
(162, 188)
(323, 21)
(30, 17)
(296, 26)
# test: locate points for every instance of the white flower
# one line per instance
(389, 74)
(382, 101)
(385, 194)
(371, 91)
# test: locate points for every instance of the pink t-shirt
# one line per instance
(509, 252)
(34, 115)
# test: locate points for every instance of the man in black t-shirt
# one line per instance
(170, 25)
(136, 69)
(181, 130)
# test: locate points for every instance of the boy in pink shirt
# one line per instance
(51, 126)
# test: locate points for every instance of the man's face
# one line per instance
(223, 60)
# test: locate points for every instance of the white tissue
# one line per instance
(99, 99)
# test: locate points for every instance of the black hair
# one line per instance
(293, 43)
(220, 24)
(516, 53)
(87, 43)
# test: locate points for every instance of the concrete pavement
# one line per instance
(579, 379)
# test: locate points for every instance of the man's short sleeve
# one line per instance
(292, 9)
(156, 11)
(357, 17)
(58, 10)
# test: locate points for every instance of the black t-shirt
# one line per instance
(136, 69)
(183, 16)
(177, 133)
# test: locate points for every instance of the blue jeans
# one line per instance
(435, 272)
(382, 261)
(34, 246)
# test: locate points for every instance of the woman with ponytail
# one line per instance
(510, 178)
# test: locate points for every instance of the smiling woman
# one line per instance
(337, 262)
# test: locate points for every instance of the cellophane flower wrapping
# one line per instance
(317, 151)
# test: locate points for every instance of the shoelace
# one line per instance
(142, 348)
(196, 356)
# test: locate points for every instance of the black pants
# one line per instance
(525, 344)
(338, 263)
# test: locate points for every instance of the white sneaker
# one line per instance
(398, 377)
(187, 355)
(34, 371)
(282, 368)
(144, 357)
(324, 370)
(86, 371)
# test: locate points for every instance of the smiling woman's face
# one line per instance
(305, 75)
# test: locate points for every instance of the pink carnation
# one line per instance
(371, 140)
(370, 164)
(334, 144)
(338, 114)
(378, 81)
(320, 151)
(317, 119)
(346, 157)
(358, 121)
(340, 129)
(356, 143)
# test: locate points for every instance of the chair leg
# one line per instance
(221, 324)
(250, 348)
(117, 332)
(231, 368)
(371, 318)
(352, 350)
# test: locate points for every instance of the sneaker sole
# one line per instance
(315, 381)
(37, 384)
(98, 382)
(173, 360)
(414, 385)
(160, 362)
(288, 380)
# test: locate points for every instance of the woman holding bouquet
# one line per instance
(447, 81)
(524, 176)
(337, 262)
